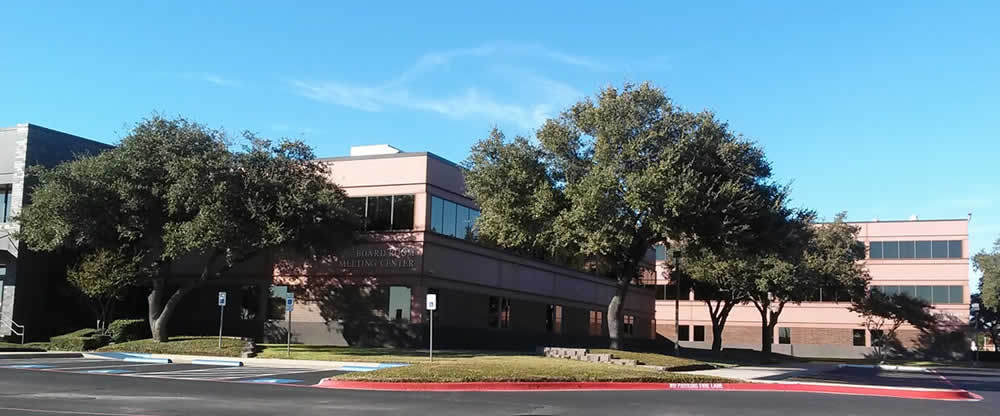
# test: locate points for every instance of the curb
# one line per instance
(886, 367)
(925, 394)
(227, 363)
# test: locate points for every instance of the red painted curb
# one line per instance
(591, 386)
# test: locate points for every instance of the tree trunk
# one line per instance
(615, 316)
(160, 313)
(719, 316)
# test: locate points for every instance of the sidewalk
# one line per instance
(767, 373)
(252, 362)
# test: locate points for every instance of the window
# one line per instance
(399, 303)
(596, 323)
(937, 249)
(925, 293)
(957, 295)
(453, 219)
(553, 319)
(6, 201)
(941, 294)
(876, 250)
(276, 304)
(629, 328)
(384, 213)
(499, 312)
(955, 249)
(906, 250)
(684, 334)
(890, 250)
(923, 249)
(784, 335)
(699, 333)
(3, 270)
(661, 252)
(859, 337)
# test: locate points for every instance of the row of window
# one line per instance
(686, 332)
(384, 213)
(930, 294)
(453, 219)
(5, 202)
(936, 249)
(784, 335)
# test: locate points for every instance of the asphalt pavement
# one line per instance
(44, 391)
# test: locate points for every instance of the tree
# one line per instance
(104, 277)
(989, 285)
(610, 178)
(810, 256)
(174, 193)
(883, 315)
(986, 319)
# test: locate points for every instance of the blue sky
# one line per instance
(879, 110)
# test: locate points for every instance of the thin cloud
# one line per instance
(470, 102)
(211, 78)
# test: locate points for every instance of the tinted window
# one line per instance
(876, 250)
(910, 291)
(923, 249)
(890, 290)
(859, 337)
(956, 295)
(784, 335)
(402, 212)
(955, 249)
(661, 252)
(399, 303)
(939, 249)
(941, 294)
(448, 218)
(925, 293)
(473, 217)
(890, 250)
(684, 335)
(437, 213)
(699, 333)
(5, 202)
(906, 249)
(461, 221)
(379, 213)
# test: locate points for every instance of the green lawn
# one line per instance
(231, 347)
(30, 346)
(375, 355)
(464, 365)
(505, 368)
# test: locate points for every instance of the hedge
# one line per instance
(125, 330)
(80, 340)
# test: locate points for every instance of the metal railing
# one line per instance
(14, 326)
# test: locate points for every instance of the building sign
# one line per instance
(379, 258)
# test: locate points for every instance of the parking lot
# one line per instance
(177, 371)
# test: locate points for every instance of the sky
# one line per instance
(880, 110)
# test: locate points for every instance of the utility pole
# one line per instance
(675, 262)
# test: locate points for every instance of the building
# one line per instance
(420, 239)
(928, 259)
(29, 299)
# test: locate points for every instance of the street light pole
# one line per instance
(676, 263)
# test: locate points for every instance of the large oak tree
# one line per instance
(175, 194)
(609, 178)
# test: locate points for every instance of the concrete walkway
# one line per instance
(767, 373)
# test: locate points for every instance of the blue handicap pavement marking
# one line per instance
(28, 366)
(370, 368)
(272, 380)
(122, 355)
(108, 371)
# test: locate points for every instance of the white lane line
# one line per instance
(223, 375)
(100, 366)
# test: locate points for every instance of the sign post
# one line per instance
(289, 305)
(975, 334)
(431, 306)
(222, 307)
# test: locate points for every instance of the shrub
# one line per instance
(80, 340)
(125, 330)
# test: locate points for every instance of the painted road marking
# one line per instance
(109, 365)
(107, 371)
(224, 373)
(272, 380)
(27, 366)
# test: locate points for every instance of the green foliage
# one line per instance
(174, 190)
(989, 285)
(886, 314)
(611, 177)
(80, 340)
(231, 347)
(105, 274)
(124, 330)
